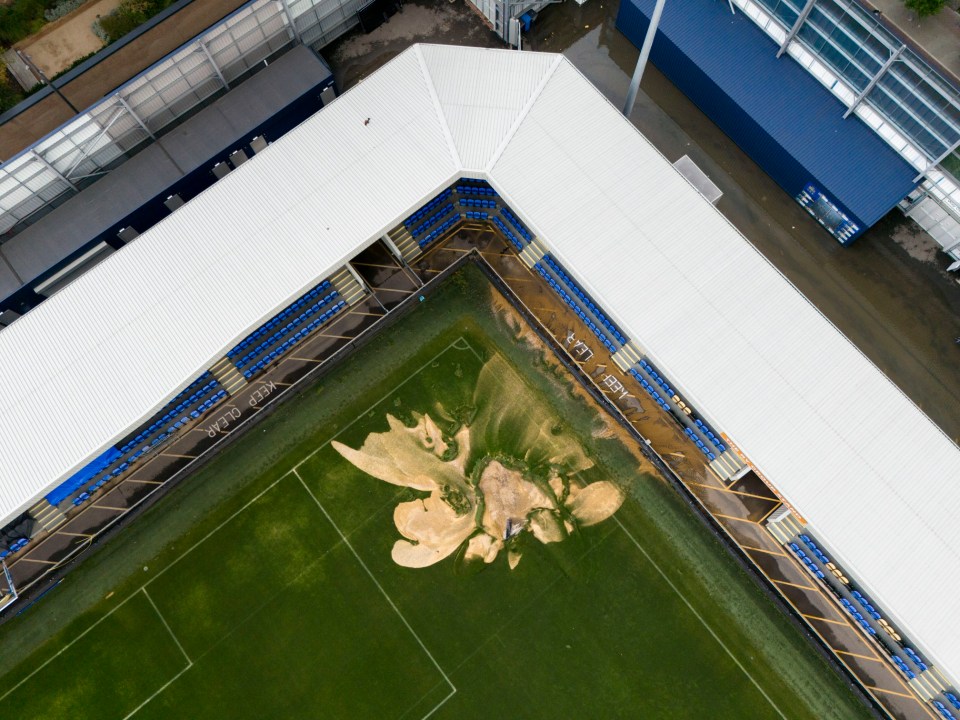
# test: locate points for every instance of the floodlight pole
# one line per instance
(644, 56)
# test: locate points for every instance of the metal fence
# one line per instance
(108, 132)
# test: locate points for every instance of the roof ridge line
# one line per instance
(454, 153)
(523, 115)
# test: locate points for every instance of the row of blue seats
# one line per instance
(611, 328)
(942, 709)
(84, 496)
(166, 432)
(650, 390)
(904, 668)
(169, 415)
(428, 208)
(292, 340)
(476, 190)
(189, 389)
(807, 561)
(916, 658)
(658, 379)
(478, 202)
(515, 221)
(508, 232)
(856, 614)
(440, 230)
(820, 555)
(177, 409)
(433, 219)
(15, 547)
(715, 439)
(475, 215)
(953, 699)
(180, 398)
(572, 302)
(286, 329)
(153, 442)
(282, 315)
(700, 444)
(865, 604)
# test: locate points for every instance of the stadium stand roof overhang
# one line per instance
(868, 470)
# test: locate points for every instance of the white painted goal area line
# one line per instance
(383, 592)
(176, 677)
(167, 626)
(699, 617)
(459, 343)
(143, 588)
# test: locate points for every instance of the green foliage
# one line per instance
(76, 62)
(128, 16)
(22, 18)
(61, 9)
(249, 579)
(10, 92)
(925, 8)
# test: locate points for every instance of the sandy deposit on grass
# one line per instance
(527, 437)
(508, 497)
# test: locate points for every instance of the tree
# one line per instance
(925, 8)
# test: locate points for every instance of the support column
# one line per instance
(213, 64)
(939, 160)
(40, 159)
(293, 25)
(136, 117)
(642, 60)
(876, 78)
(801, 19)
(92, 144)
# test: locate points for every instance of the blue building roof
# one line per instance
(772, 108)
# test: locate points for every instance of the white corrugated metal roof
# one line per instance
(103, 354)
(874, 476)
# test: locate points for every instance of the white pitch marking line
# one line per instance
(67, 646)
(217, 529)
(455, 345)
(382, 591)
(167, 626)
(163, 687)
(699, 617)
(440, 704)
(143, 587)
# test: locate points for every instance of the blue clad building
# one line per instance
(839, 169)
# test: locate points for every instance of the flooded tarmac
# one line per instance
(888, 292)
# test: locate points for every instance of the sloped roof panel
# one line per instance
(837, 438)
(109, 349)
(482, 93)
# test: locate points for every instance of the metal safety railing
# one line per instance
(98, 139)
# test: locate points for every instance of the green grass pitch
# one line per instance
(264, 587)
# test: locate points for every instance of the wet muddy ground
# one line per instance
(739, 508)
(889, 292)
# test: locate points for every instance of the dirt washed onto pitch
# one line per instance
(510, 468)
